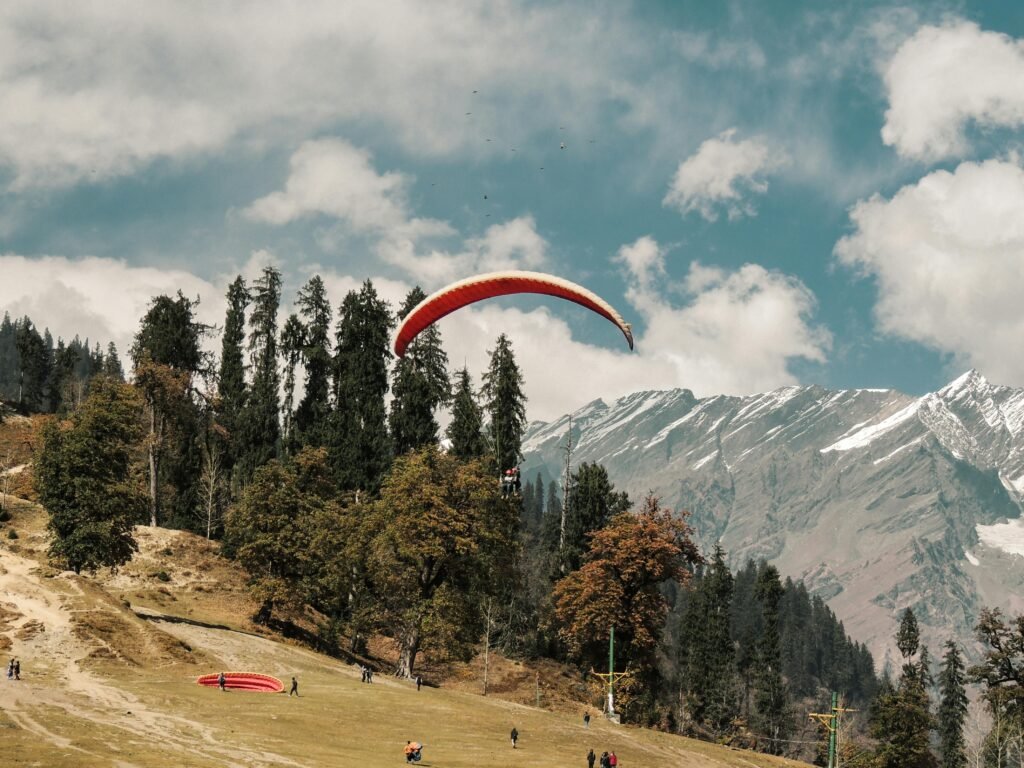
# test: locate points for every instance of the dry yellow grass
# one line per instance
(103, 686)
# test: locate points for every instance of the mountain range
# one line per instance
(877, 499)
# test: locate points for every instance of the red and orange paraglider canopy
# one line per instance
(474, 289)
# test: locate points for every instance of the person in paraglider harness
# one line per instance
(413, 751)
(510, 484)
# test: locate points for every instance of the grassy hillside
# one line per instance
(109, 663)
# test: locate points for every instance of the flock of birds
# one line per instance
(561, 146)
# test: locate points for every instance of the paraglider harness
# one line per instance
(510, 484)
(413, 752)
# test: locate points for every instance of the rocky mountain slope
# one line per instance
(878, 499)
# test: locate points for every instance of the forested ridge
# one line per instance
(316, 459)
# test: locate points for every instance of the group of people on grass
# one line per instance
(608, 759)
(14, 669)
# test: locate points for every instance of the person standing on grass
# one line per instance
(10, 669)
(612, 760)
(419, 682)
(515, 737)
(591, 757)
(604, 760)
(586, 719)
(17, 670)
(221, 681)
(295, 688)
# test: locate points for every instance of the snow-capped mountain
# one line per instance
(878, 499)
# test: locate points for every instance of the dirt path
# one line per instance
(39, 620)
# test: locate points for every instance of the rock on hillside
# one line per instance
(878, 499)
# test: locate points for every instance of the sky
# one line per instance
(773, 193)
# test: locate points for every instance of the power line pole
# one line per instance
(611, 676)
(831, 722)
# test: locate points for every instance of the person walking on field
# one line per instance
(591, 757)
(604, 760)
(17, 670)
(515, 737)
(612, 760)
(221, 681)
(295, 688)
(419, 682)
(586, 720)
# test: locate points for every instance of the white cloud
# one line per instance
(947, 254)
(94, 90)
(514, 244)
(102, 299)
(332, 177)
(946, 76)
(722, 174)
(737, 331)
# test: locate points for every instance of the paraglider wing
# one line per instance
(474, 289)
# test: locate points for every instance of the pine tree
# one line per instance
(900, 719)
(952, 708)
(262, 426)
(505, 404)
(313, 413)
(231, 379)
(420, 386)
(34, 361)
(292, 343)
(710, 670)
(771, 697)
(84, 479)
(167, 355)
(360, 447)
(593, 501)
(112, 363)
(466, 428)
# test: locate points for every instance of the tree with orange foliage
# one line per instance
(618, 585)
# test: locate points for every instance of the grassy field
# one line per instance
(107, 682)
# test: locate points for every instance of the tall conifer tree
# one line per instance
(466, 428)
(112, 363)
(360, 448)
(262, 425)
(593, 501)
(505, 404)
(771, 688)
(952, 708)
(420, 386)
(314, 410)
(231, 381)
(292, 341)
(900, 719)
(167, 354)
(710, 670)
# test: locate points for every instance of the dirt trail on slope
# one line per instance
(51, 622)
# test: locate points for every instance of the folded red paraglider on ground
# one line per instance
(244, 681)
